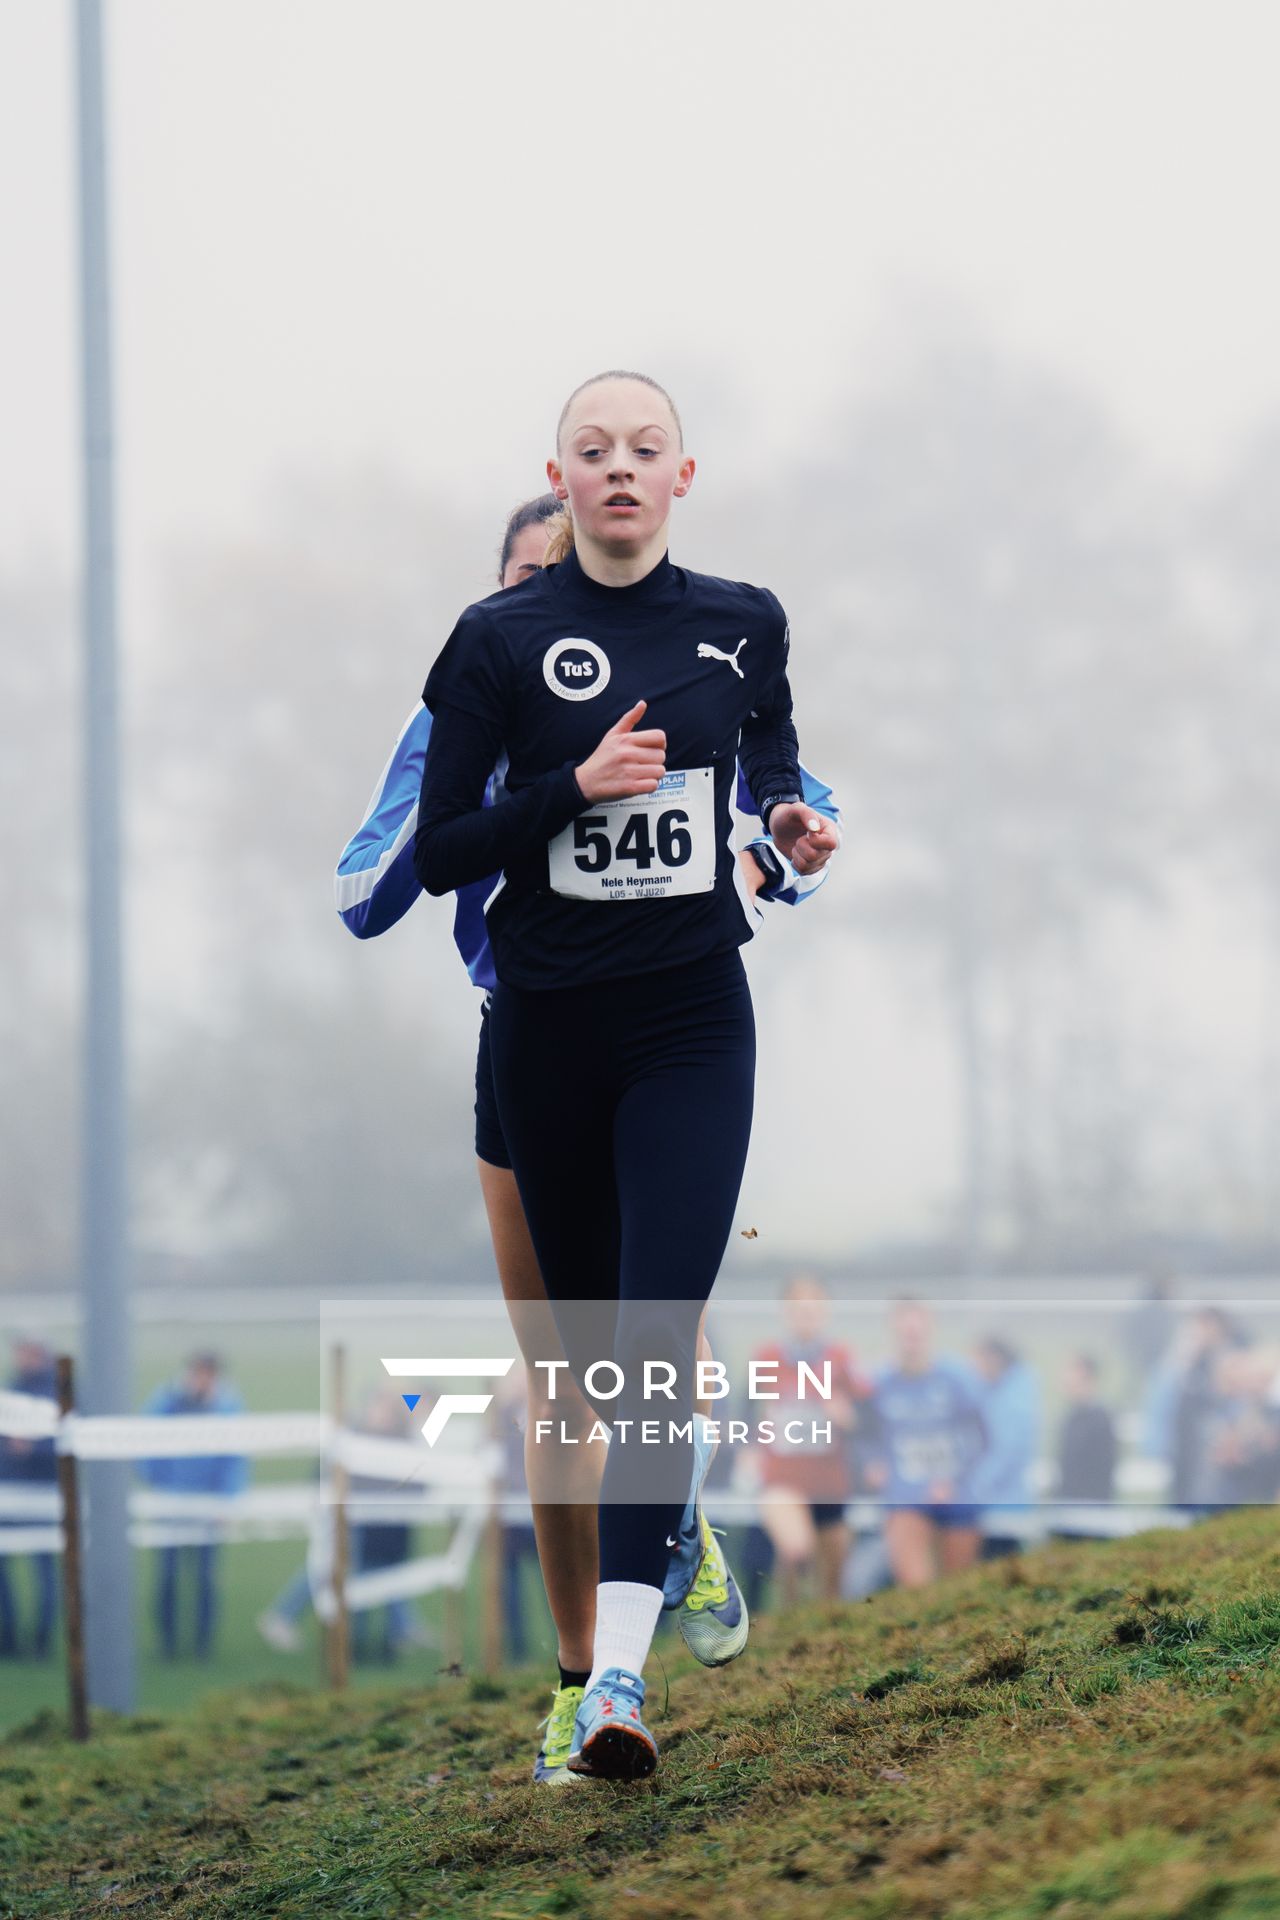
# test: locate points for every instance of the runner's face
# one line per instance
(526, 555)
(621, 464)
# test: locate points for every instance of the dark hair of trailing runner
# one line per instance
(530, 513)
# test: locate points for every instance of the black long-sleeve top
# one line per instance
(538, 674)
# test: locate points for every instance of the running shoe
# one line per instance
(713, 1621)
(686, 1558)
(550, 1769)
(610, 1740)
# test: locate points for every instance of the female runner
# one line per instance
(621, 1031)
(375, 886)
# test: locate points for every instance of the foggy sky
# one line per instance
(396, 235)
(350, 240)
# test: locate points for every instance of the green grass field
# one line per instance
(1094, 1730)
(252, 1573)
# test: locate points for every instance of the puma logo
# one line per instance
(707, 652)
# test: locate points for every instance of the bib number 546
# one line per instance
(671, 843)
(642, 846)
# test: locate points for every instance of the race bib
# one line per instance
(653, 846)
(925, 1457)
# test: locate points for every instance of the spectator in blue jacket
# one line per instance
(30, 1463)
(1009, 1396)
(929, 1434)
(201, 1389)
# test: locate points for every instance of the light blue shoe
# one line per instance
(713, 1621)
(682, 1568)
(610, 1740)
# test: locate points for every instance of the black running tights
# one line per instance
(626, 1107)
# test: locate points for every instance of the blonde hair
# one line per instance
(559, 537)
(619, 373)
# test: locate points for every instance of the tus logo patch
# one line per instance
(576, 669)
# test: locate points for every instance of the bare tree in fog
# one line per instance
(40, 816)
(1240, 712)
(301, 1092)
(999, 676)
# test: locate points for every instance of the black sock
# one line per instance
(568, 1678)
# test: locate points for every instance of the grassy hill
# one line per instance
(1092, 1731)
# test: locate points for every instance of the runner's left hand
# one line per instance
(751, 873)
(808, 839)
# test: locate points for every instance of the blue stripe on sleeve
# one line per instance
(375, 884)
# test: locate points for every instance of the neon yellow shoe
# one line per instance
(550, 1769)
(713, 1620)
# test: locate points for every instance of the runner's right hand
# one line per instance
(625, 762)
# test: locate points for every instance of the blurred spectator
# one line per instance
(381, 1633)
(509, 1418)
(750, 1550)
(30, 1463)
(278, 1624)
(1009, 1398)
(1087, 1438)
(1184, 1406)
(400, 1626)
(201, 1389)
(931, 1435)
(1245, 1446)
(1149, 1328)
(806, 1485)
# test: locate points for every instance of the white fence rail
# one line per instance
(31, 1516)
(159, 1518)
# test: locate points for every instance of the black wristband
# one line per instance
(773, 800)
(770, 866)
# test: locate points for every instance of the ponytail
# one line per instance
(559, 538)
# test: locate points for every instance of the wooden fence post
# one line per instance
(454, 1631)
(72, 1582)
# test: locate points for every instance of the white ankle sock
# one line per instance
(626, 1617)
